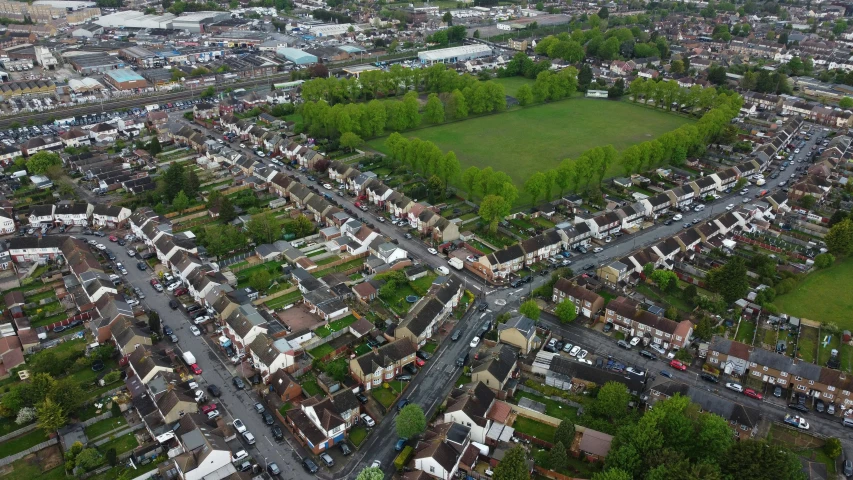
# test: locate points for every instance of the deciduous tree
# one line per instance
(566, 311)
(530, 309)
(40, 162)
(410, 421)
(434, 110)
(50, 416)
(839, 239)
(493, 209)
(513, 466)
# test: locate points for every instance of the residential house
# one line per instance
(285, 386)
(541, 247)
(76, 213)
(469, 406)
(499, 265)
(587, 302)
(614, 273)
(497, 369)
(520, 332)
(317, 424)
(383, 363)
(271, 355)
(742, 419)
(109, 216)
(441, 449)
(628, 317)
(147, 364)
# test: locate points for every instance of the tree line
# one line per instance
(381, 83)
(374, 117)
(668, 93)
(423, 157)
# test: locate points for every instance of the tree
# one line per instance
(839, 239)
(40, 162)
(410, 421)
(227, 212)
(664, 279)
(524, 95)
(832, 447)
(565, 433)
(447, 18)
(846, 103)
(434, 109)
(824, 260)
(493, 208)
(514, 465)
(612, 401)
(470, 178)
(757, 459)
(530, 310)
(566, 311)
(350, 141)
(181, 202)
(612, 474)
(25, 415)
(535, 185)
(173, 181)
(154, 321)
(264, 227)
(50, 416)
(111, 457)
(338, 369)
(684, 355)
(300, 226)
(154, 146)
(371, 473)
(476, 34)
(260, 280)
(89, 459)
(704, 329)
(558, 458)
(807, 201)
(730, 280)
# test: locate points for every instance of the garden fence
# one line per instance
(17, 433)
(13, 458)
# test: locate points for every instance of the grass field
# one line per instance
(830, 286)
(524, 141)
(512, 84)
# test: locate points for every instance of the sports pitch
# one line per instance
(523, 141)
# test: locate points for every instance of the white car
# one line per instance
(567, 347)
(201, 319)
(240, 456)
(432, 251)
(376, 464)
(608, 239)
(730, 206)
(475, 342)
(635, 341)
(173, 286)
(327, 186)
(238, 425)
(367, 420)
(442, 270)
(132, 302)
(735, 386)
(101, 246)
(657, 348)
(575, 350)
(194, 330)
(242, 146)
(470, 259)
(677, 217)
(597, 250)
(633, 370)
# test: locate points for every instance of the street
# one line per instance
(217, 370)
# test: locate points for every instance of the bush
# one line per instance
(403, 458)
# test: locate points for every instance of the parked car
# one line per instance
(238, 383)
(623, 344)
(753, 394)
(214, 390)
(676, 364)
(361, 397)
(368, 420)
(239, 425)
(310, 465)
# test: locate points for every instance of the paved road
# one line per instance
(217, 370)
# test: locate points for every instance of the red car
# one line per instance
(208, 408)
(753, 394)
(181, 291)
(154, 282)
(676, 364)
(196, 369)
(113, 238)
(419, 362)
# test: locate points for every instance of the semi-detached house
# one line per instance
(587, 302)
(382, 364)
(500, 264)
(470, 407)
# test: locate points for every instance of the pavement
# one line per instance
(438, 377)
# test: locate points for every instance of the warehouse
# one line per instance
(332, 30)
(94, 63)
(454, 54)
(124, 79)
(296, 56)
(140, 56)
(135, 19)
(195, 22)
(87, 31)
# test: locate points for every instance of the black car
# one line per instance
(121, 243)
(273, 469)
(148, 255)
(423, 355)
(483, 307)
(310, 465)
(238, 382)
(173, 304)
(798, 407)
(559, 345)
(403, 404)
(608, 327)
(111, 256)
(167, 330)
(214, 390)
(668, 222)
(192, 308)
(589, 267)
(277, 433)
(709, 378)
(777, 392)
(141, 265)
(361, 397)
(648, 354)
(403, 378)
(268, 418)
(456, 335)
(345, 450)
(411, 368)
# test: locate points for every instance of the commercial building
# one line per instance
(195, 22)
(94, 63)
(135, 19)
(123, 79)
(296, 56)
(454, 54)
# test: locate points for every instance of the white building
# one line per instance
(454, 54)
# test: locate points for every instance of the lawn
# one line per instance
(106, 425)
(124, 443)
(384, 396)
(310, 386)
(430, 347)
(30, 467)
(283, 300)
(577, 468)
(479, 246)
(357, 435)
(745, 331)
(522, 142)
(823, 352)
(552, 408)
(531, 427)
(831, 287)
(335, 326)
(321, 351)
(512, 84)
(808, 343)
(19, 444)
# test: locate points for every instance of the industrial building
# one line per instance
(454, 54)
(296, 56)
(93, 63)
(332, 30)
(135, 19)
(195, 22)
(124, 79)
(88, 30)
(140, 56)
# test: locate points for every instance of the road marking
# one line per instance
(483, 315)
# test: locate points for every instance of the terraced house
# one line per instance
(780, 370)
(627, 316)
